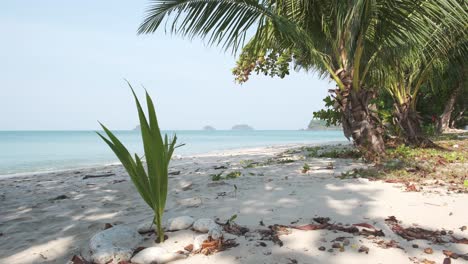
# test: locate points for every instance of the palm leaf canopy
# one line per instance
(320, 35)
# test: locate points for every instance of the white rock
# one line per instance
(215, 232)
(198, 241)
(114, 245)
(179, 223)
(204, 225)
(190, 202)
(146, 227)
(155, 255)
(185, 185)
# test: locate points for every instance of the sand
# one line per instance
(37, 228)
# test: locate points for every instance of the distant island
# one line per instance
(316, 124)
(242, 127)
(209, 128)
(137, 128)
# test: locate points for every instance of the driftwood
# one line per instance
(88, 176)
(323, 223)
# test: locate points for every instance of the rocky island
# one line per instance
(242, 127)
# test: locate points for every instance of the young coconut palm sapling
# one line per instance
(152, 182)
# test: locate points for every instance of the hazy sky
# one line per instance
(62, 65)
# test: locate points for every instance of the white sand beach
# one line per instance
(49, 218)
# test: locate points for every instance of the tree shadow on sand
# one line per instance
(274, 194)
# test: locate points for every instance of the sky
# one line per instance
(63, 65)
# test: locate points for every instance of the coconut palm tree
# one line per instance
(346, 40)
(438, 65)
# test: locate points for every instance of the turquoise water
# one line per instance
(40, 151)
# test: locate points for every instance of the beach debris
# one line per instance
(203, 225)
(78, 260)
(179, 223)
(262, 244)
(118, 181)
(463, 228)
(197, 242)
(428, 250)
(221, 167)
(189, 248)
(454, 255)
(447, 261)
(210, 247)
(60, 197)
(190, 202)
(88, 176)
(174, 173)
(292, 261)
(323, 223)
(411, 188)
(107, 226)
(114, 245)
(412, 233)
(273, 232)
(156, 255)
(363, 249)
(233, 228)
(388, 244)
(336, 245)
(322, 248)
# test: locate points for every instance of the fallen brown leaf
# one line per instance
(366, 225)
(310, 227)
(428, 250)
(189, 248)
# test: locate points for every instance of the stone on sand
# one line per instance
(179, 223)
(114, 245)
(215, 232)
(155, 255)
(190, 202)
(204, 225)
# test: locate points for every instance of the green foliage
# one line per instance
(248, 164)
(216, 177)
(332, 152)
(409, 154)
(232, 219)
(329, 114)
(305, 168)
(151, 182)
(233, 175)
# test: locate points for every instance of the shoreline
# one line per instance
(49, 219)
(202, 154)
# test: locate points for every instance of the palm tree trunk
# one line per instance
(410, 122)
(444, 119)
(360, 122)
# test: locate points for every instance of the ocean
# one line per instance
(45, 151)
